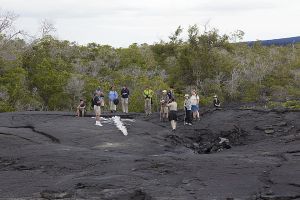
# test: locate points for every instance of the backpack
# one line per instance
(116, 101)
(95, 99)
(170, 94)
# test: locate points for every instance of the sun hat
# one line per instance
(164, 91)
(215, 96)
(186, 95)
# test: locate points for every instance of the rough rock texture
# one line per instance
(228, 154)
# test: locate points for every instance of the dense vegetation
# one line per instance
(50, 74)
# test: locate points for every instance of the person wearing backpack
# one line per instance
(97, 100)
(113, 99)
(170, 93)
(124, 99)
(148, 94)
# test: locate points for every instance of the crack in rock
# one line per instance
(24, 138)
(277, 197)
(51, 137)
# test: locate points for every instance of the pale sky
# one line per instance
(122, 22)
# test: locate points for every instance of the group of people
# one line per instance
(113, 98)
(168, 105)
(191, 107)
(168, 108)
(98, 102)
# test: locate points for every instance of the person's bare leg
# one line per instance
(126, 105)
(77, 112)
(146, 107)
(173, 124)
(81, 110)
(167, 115)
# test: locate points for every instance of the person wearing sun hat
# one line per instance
(216, 102)
(188, 110)
(164, 110)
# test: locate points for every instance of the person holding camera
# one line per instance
(97, 100)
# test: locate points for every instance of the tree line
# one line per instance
(51, 74)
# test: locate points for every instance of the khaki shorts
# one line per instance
(164, 109)
(97, 110)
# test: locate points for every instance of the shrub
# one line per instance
(5, 107)
(205, 101)
(293, 104)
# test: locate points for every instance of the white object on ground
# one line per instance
(104, 119)
(128, 120)
(98, 123)
(223, 140)
(117, 121)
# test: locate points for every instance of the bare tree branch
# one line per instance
(6, 21)
(47, 27)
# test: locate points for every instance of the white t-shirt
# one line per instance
(195, 99)
(172, 106)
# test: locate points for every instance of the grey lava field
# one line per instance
(230, 154)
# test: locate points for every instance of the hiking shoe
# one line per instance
(98, 123)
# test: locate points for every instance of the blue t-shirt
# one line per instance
(112, 95)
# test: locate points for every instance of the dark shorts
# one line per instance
(173, 115)
(195, 108)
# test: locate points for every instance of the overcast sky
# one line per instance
(123, 22)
